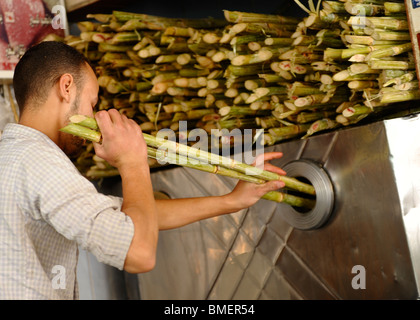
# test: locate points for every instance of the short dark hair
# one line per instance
(41, 67)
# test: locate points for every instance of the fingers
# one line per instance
(272, 155)
(111, 119)
(262, 161)
(264, 157)
(270, 167)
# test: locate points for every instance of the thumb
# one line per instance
(99, 149)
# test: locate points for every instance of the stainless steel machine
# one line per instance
(364, 243)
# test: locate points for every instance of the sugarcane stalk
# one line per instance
(289, 130)
(258, 57)
(242, 111)
(347, 53)
(360, 84)
(245, 70)
(364, 9)
(161, 23)
(298, 89)
(366, 40)
(390, 35)
(412, 85)
(356, 111)
(334, 6)
(261, 28)
(389, 52)
(346, 75)
(395, 65)
(82, 132)
(393, 96)
(388, 23)
(307, 117)
(237, 16)
(359, 68)
(199, 155)
(276, 196)
(321, 125)
(406, 77)
(394, 8)
(267, 91)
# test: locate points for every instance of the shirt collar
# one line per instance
(15, 130)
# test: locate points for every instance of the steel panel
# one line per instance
(255, 254)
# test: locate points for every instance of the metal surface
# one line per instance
(256, 254)
(318, 178)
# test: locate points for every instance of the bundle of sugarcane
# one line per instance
(379, 48)
(290, 77)
(162, 76)
(180, 154)
(159, 71)
(313, 95)
(251, 84)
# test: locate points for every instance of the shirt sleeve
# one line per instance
(54, 191)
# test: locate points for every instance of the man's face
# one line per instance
(83, 103)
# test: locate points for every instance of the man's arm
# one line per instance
(123, 147)
(175, 213)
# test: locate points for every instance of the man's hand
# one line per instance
(246, 194)
(122, 140)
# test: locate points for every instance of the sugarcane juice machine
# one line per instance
(361, 240)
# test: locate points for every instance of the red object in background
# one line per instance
(17, 16)
(22, 28)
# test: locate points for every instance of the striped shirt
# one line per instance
(47, 210)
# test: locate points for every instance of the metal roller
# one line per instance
(318, 177)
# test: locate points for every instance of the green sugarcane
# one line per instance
(334, 6)
(289, 130)
(390, 51)
(396, 65)
(185, 150)
(237, 16)
(364, 9)
(393, 96)
(276, 196)
(348, 53)
(242, 111)
(258, 57)
(332, 54)
(394, 7)
(321, 125)
(390, 35)
(105, 47)
(246, 70)
(406, 77)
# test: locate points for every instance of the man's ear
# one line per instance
(66, 84)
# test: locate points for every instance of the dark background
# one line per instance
(189, 8)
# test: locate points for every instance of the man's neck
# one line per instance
(41, 121)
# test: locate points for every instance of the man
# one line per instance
(47, 208)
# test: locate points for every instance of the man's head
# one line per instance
(53, 81)
(40, 69)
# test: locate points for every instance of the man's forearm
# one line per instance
(139, 204)
(176, 213)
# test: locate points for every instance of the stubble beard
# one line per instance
(72, 145)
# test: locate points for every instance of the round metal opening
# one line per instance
(310, 172)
